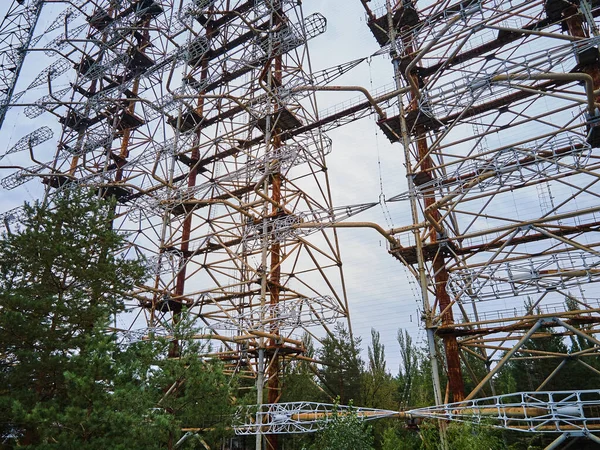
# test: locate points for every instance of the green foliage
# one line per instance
(460, 436)
(66, 381)
(342, 375)
(299, 380)
(529, 373)
(60, 282)
(378, 386)
(415, 387)
(400, 438)
(526, 374)
(198, 392)
(344, 430)
(467, 437)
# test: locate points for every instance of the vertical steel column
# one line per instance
(405, 139)
(274, 381)
(440, 273)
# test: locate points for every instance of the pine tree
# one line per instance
(299, 381)
(66, 381)
(341, 374)
(60, 283)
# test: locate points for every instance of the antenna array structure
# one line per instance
(499, 124)
(200, 118)
(16, 33)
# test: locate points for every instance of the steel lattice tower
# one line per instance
(498, 124)
(201, 121)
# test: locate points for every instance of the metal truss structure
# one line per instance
(570, 414)
(532, 412)
(200, 118)
(298, 417)
(16, 36)
(497, 115)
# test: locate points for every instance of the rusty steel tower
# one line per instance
(499, 124)
(200, 118)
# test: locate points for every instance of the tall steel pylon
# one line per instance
(200, 118)
(499, 127)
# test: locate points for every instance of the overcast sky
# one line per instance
(363, 167)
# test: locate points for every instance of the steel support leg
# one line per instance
(593, 437)
(559, 440)
(506, 357)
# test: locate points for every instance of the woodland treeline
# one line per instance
(68, 381)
